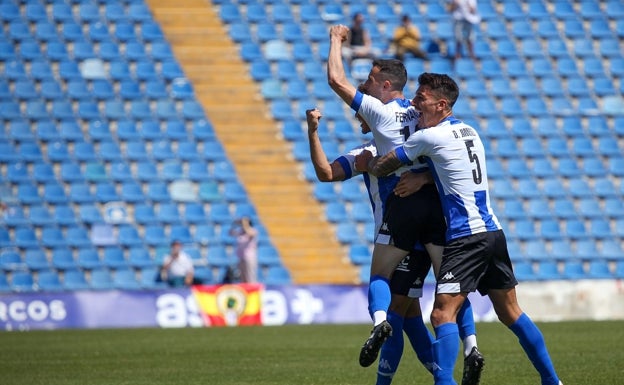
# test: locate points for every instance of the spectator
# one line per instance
(246, 249)
(177, 269)
(465, 16)
(406, 39)
(359, 45)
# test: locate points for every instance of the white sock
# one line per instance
(469, 343)
(378, 317)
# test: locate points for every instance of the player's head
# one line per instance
(386, 79)
(440, 85)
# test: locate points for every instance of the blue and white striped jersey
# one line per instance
(347, 161)
(456, 159)
(391, 124)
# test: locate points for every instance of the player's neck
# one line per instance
(434, 120)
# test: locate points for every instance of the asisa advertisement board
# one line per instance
(199, 306)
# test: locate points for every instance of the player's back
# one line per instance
(457, 157)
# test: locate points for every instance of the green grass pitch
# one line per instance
(584, 353)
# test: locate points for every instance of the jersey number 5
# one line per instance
(476, 173)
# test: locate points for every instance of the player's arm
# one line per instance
(336, 75)
(376, 165)
(411, 182)
(381, 166)
(325, 171)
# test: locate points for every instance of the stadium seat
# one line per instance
(209, 191)
(88, 258)
(599, 269)
(561, 250)
(10, 260)
(89, 213)
(22, 282)
(113, 257)
(64, 215)
(277, 275)
(74, 279)
(48, 281)
(101, 279)
(573, 269)
(39, 215)
(548, 271)
(146, 171)
(155, 236)
(128, 236)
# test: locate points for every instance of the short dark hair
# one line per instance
(440, 84)
(392, 70)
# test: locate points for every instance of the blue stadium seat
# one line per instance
(561, 250)
(139, 12)
(64, 215)
(50, 88)
(181, 233)
(548, 271)
(563, 208)
(10, 260)
(550, 229)
(205, 234)
(52, 237)
(28, 193)
(89, 214)
(113, 257)
(604, 188)
(63, 259)
(40, 70)
(158, 192)
(610, 249)
(128, 236)
(155, 236)
(35, 259)
(220, 212)
(573, 269)
(88, 12)
(277, 275)
(144, 214)
(77, 236)
(168, 213)
(74, 279)
(49, 281)
(268, 255)
(101, 279)
(22, 282)
(18, 173)
(125, 279)
(209, 191)
(599, 269)
(88, 258)
(39, 215)
(139, 257)
(5, 238)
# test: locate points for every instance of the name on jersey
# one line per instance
(464, 132)
(405, 116)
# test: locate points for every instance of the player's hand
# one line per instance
(410, 183)
(313, 116)
(341, 31)
(361, 161)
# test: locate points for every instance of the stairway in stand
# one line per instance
(242, 122)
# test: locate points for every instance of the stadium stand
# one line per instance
(85, 138)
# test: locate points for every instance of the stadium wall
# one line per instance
(230, 305)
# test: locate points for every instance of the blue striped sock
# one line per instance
(391, 350)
